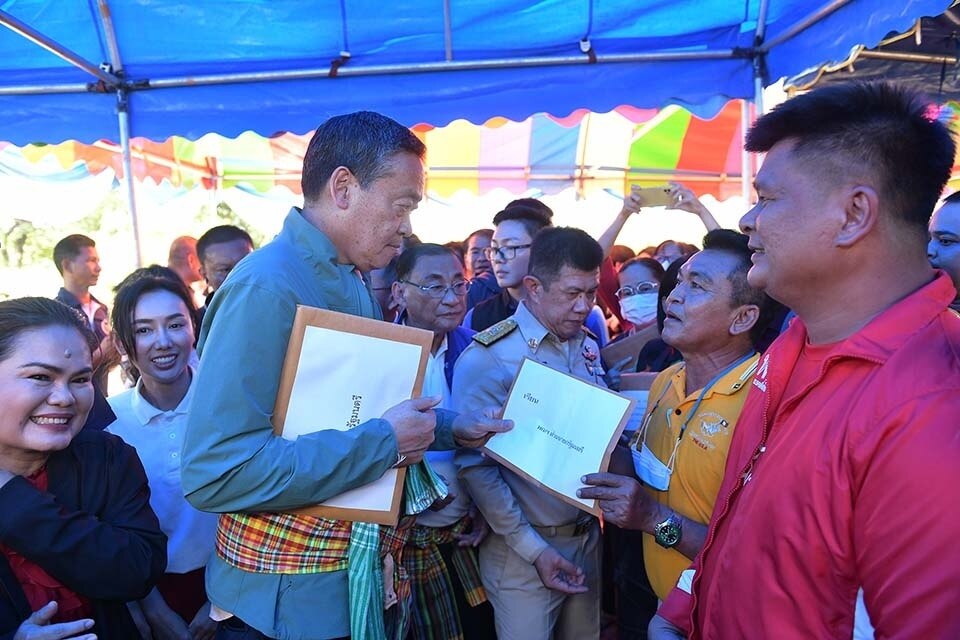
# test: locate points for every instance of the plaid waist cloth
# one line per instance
(287, 543)
(435, 615)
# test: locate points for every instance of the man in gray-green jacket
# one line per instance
(275, 575)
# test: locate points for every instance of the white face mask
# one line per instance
(640, 308)
(650, 469)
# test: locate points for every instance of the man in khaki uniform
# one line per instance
(540, 567)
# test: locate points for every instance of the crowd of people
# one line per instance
(791, 475)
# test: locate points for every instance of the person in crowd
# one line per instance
(154, 325)
(477, 261)
(77, 536)
(381, 282)
(714, 317)
(78, 262)
(457, 247)
(540, 565)
(448, 598)
(639, 291)
(846, 449)
(483, 282)
(183, 260)
(683, 199)
(362, 179)
(657, 355)
(486, 285)
(509, 253)
(381, 285)
(943, 250)
(219, 250)
(619, 254)
(667, 252)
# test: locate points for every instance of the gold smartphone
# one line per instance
(654, 196)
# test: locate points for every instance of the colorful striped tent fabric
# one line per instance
(590, 151)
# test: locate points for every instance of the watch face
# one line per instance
(668, 532)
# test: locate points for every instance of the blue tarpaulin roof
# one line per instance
(192, 67)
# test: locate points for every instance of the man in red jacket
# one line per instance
(842, 483)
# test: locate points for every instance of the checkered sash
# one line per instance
(422, 488)
(435, 614)
(294, 544)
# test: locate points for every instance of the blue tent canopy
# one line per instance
(188, 68)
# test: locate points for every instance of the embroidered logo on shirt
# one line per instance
(712, 423)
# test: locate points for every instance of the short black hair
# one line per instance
(532, 203)
(557, 247)
(878, 130)
(532, 220)
(26, 314)
(364, 142)
(737, 245)
(134, 286)
(221, 235)
(69, 248)
(407, 261)
(486, 233)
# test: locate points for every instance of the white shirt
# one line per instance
(90, 310)
(435, 384)
(158, 436)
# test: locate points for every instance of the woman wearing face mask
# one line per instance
(77, 535)
(153, 324)
(639, 285)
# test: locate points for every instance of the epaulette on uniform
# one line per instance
(488, 336)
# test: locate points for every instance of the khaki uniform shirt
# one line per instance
(482, 378)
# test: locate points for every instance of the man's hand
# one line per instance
(660, 629)
(473, 429)
(612, 376)
(203, 627)
(38, 627)
(623, 501)
(479, 530)
(164, 621)
(558, 573)
(413, 422)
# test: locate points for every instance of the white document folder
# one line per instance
(340, 371)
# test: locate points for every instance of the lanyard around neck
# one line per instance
(703, 394)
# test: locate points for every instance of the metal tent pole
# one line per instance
(57, 49)
(803, 24)
(123, 120)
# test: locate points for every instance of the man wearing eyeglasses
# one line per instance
(509, 253)
(714, 317)
(431, 288)
(540, 565)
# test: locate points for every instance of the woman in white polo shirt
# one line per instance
(154, 326)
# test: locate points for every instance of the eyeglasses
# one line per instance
(643, 287)
(504, 253)
(440, 290)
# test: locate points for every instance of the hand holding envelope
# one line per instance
(473, 429)
(413, 422)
